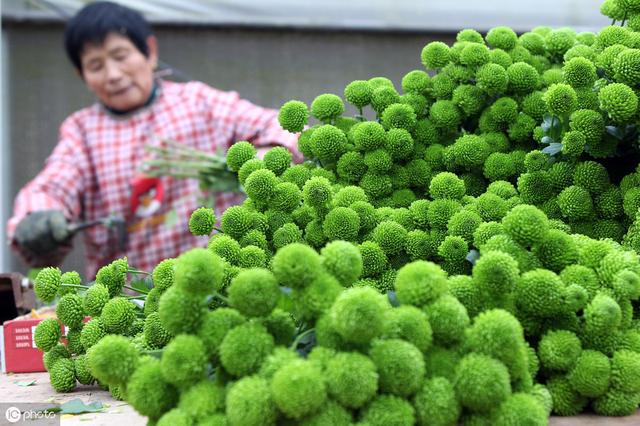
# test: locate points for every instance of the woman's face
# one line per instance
(118, 73)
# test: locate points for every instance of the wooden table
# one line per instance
(121, 413)
(115, 412)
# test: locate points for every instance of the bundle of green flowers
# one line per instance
(351, 354)
(108, 309)
(468, 255)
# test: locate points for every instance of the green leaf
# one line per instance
(142, 285)
(156, 353)
(547, 140)
(553, 149)
(76, 406)
(473, 256)
(220, 181)
(630, 133)
(207, 202)
(616, 132)
(284, 301)
(307, 338)
(26, 383)
(547, 122)
(393, 299)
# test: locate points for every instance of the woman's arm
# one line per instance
(58, 187)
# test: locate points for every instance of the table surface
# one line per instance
(115, 412)
(119, 412)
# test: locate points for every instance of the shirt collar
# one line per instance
(126, 113)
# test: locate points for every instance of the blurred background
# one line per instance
(269, 51)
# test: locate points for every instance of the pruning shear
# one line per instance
(110, 222)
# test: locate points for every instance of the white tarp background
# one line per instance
(408, 15)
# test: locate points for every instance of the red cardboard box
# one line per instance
(19, 351)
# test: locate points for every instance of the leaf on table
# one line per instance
(76, 406)
(26, 383)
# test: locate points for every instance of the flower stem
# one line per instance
(300, 336)
(221, 297)
(156, 353)
(137, 290)
(74, 286)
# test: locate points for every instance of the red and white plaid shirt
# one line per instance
(88, 176)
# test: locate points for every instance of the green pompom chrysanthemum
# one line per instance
(198, 271)
(293, 116)
(249, 402)
(352, 379)
(254, 292)
(148, 392)
(481, 382)
(62, 375)
(435, 55)
(70, 310)
(580, 72)
(47, 334)
(358, 93)
(183, 361)
(113, 359)
(502, 38)
(298, 389)
(358, 314)
(202, 221)
(244, 349)
(117, 315)
(95, 298)
(419, 283)
(389, 410)
(619, 101)
(238, 154)
(47, 283)
(400, 365)
(561, 99)
(327, 107)
(278, 159)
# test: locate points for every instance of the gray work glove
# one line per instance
(42, 232)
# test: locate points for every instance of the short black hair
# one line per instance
(95, 21)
